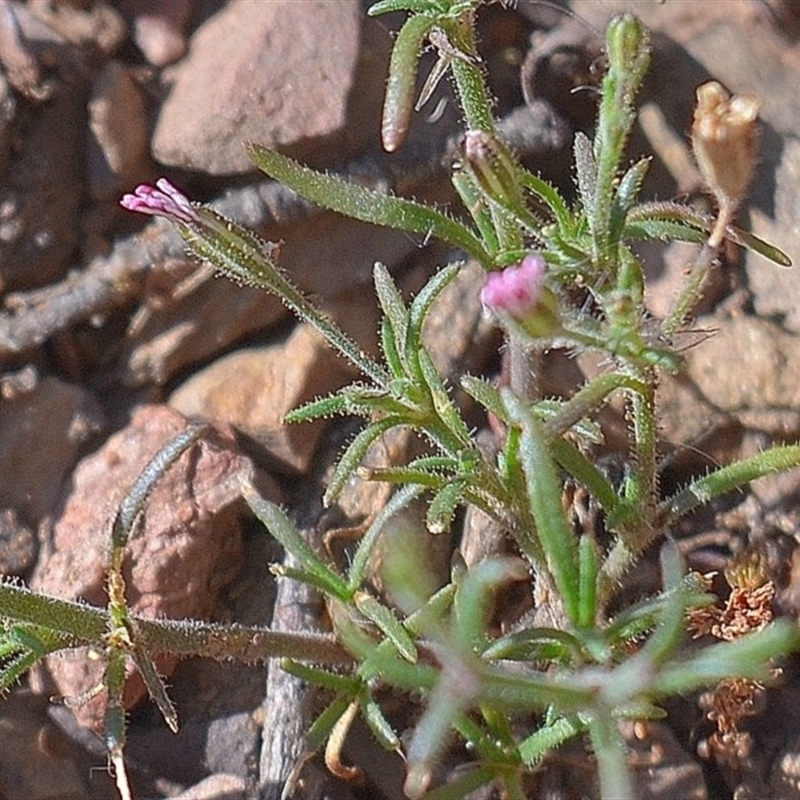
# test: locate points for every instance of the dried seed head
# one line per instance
(724, 137)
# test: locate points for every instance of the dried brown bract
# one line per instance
(747, 609)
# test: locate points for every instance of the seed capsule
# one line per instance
(724, 139)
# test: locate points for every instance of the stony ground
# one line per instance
(110, 338)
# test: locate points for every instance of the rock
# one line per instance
(41, 194)
(194, 323)
(8, 110)
(252, 390)
(59, 414)
(219, 786)
(186, 550)
(93, 26)
(38, 760)
(18, 545)
(748, 366)
(256, 71)
(159, 28)
(118, 155)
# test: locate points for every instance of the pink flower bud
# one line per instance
(519, 297)
(164, 201)
(515, 290)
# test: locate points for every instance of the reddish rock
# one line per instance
(186, 549)
(276, 73)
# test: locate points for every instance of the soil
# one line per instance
(111, 339)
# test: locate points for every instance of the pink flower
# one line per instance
(164, 201)
(516, 290)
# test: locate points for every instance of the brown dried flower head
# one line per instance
(724, 138)
(748, 607)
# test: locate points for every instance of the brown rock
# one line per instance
(198, 319)
(17, 544)
(187, 548)
(37, 760)
(253, 389)
(40, 196)
(457, 333)
(219, 786)
(118, 156)
(41, 433)
(276, 73)
(748, 365)
(159, 28)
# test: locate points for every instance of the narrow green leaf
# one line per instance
(416, 6)
(135, 499)
(354, 455)
(388, 624)
(318, 733)
(474, 595)
(549, 195)
(726, 479)
(588, 570)
(627, 191)
(365, 204)
(548, 738)
(458, 433)
(320, 408)
(650, 215)
(398, 102)
(486, 394)
(378, 724)
(86, 624)
(478, 207)
(585, 170)
(422, 303)
(535, 644)
(398, 501)
(544, 493)
(748, 657)
(442, 507)
(155, 687)
(14, 669)
(391, 302)
(391, 354)
(570, 459)
(282, 529)
(325, 679)
(430, 480)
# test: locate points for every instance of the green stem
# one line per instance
(691, 292)
(468, 74)
(609, 749)
(243, 256)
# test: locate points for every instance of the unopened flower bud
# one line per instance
(493, 166)
(628, 46)
(519, 297)
(724, 137)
